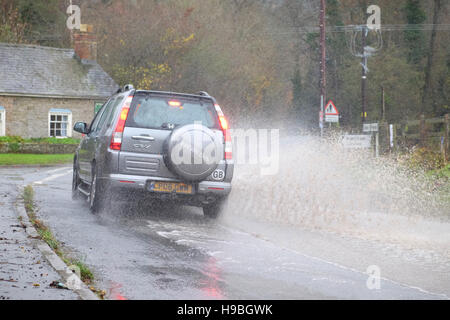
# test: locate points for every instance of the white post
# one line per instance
(391, 135)
(377, 145)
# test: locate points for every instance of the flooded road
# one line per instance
(137, 251)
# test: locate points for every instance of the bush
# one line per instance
(13, 147)
(17, 140)
(443, 173)
(12, 139)
(425, 159)
(54, 140)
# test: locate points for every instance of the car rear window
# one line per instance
(168, 112)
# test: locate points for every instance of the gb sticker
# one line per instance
(218, 174)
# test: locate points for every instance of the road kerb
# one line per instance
(54, 260)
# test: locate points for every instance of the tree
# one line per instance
(12, 28)
(222, 47)
(258, 57)
(297, 91)
(32, 21)
(415, 15)
(427, 97)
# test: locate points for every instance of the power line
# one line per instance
(350, 28)
(311, 29)
(330, 29)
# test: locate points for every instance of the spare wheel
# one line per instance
(194, 151)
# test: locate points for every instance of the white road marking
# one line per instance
(441, 295)
(56, 170)
(53, 177)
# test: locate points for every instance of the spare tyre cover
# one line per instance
(194, 151)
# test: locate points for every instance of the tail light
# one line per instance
(175, 103)
(226, 133)
(116, 139)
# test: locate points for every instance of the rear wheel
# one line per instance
(75, 182)
(95, 193)
(214, 210)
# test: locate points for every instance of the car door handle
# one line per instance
(147, 138)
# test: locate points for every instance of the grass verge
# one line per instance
(48, 140)
(34, 159)
(441, 173)
(441, 180)
(46, 235)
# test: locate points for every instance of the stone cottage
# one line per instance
(44, 91)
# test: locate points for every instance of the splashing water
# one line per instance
(321, 186)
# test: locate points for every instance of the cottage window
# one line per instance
(60, 123)
(2, 121)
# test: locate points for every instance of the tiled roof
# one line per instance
(44, 71)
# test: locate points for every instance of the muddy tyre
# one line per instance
(214, 210)
(75, 183)
(96, 195)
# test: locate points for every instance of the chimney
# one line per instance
(85, 43)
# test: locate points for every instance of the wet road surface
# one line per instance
(138, 252)
(24, 272)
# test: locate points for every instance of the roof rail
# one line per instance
(128, 87)
(125, 88)
(203, 93)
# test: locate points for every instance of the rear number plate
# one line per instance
(170, 187)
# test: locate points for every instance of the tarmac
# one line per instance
(25, 272)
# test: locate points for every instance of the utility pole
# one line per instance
(323, 79)
(383, 105)
(364, 75)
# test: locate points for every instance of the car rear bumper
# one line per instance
(204, 191)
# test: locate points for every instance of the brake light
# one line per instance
(228, 146)
(116, 139)
(174, 103)
(223, 123)
(226, 133)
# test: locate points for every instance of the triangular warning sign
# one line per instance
(331, 110)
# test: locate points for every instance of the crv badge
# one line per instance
(142, 146)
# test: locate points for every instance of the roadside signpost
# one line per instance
(354, 141)
(370, 128)
(331, 112)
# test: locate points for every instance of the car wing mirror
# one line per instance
(81, 127)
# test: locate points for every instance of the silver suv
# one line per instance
(170, 146)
